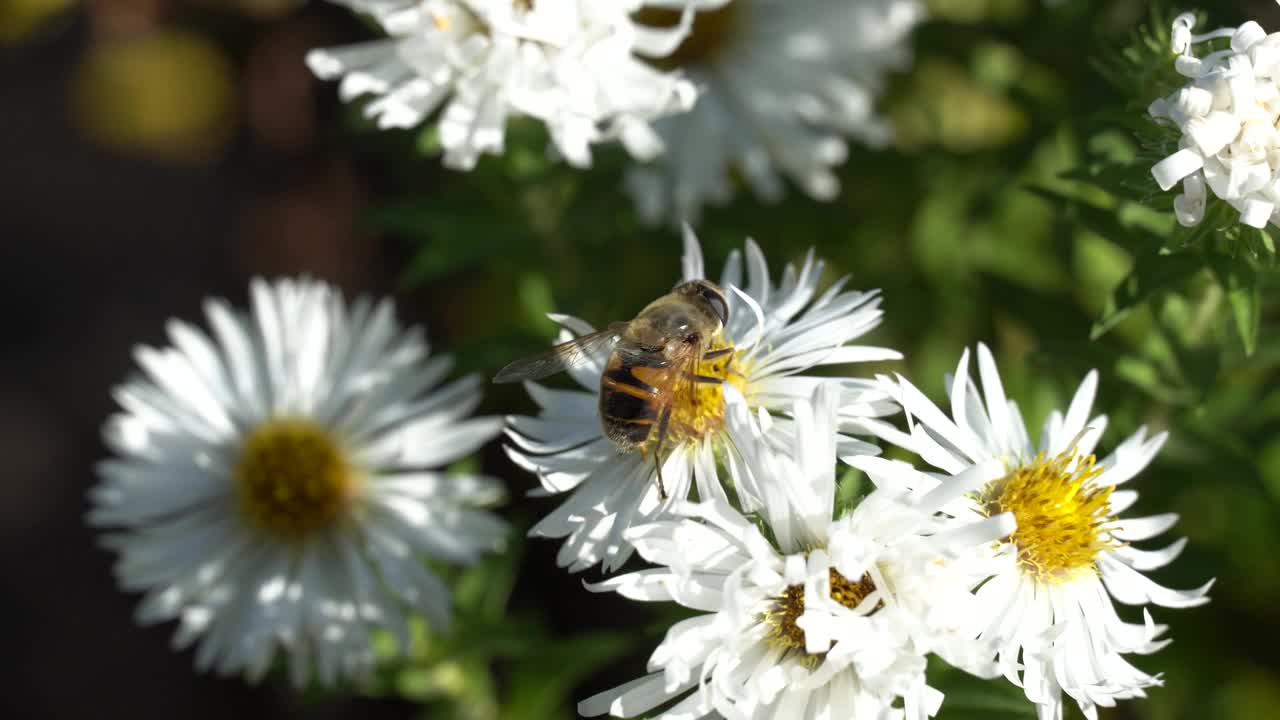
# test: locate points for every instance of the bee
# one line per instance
(653, 365)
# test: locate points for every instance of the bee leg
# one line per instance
(718, 352)
(663, 421)
(707, 379)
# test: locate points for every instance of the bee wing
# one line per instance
(688, 360)
(561, 357)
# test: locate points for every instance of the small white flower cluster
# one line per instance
(1227, 113)
(1004, 560)
(778, 86)
(783, 84)
(571, 64)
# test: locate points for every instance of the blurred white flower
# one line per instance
(569, 64)
(780, 332)
(1227, 113)
(781, 84)
(272, 488)
(1048, 612)
(824, 618)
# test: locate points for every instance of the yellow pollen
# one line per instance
(711, 30)
(789, 606)
(1063, 520)
(440, 21)
(293, 478)
(698, 410)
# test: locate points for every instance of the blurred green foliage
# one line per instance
(1017, 208)
(493, 664)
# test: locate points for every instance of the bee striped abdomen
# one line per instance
(628, 405)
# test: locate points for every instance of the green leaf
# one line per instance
(849, 490)
(428, 141)
(1103, 221)
(1240, 282)
(1152, 273)
(536, 302)
(972, 698)
(542, 683)
(453, 238)
(991, 702)
(1269, 245)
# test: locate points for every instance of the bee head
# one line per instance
(709, 295)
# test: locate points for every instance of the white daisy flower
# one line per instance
(782, 84)
(1227, 113)
(822, 618)
(780, 332)
(1049, 610)
(273, 487)
(569, 64)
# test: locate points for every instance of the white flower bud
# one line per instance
(1246, 35)
(1191, 102)
(1188, 66)
(1180, 35)
(1158, 109)
(1215, 176)
(1212, 132)
(1240, 80)
(1189, 212)
(1256, 213)
(1265, 56)
(1244, 178)
(1193, 187)
(1254, 142)
(1170, 170)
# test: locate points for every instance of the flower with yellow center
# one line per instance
(1062, 517)
(779, 332)
(293, 479)
(273, 487)
(786, 632)
(784, 85)
(783, 615)
(1049, 611)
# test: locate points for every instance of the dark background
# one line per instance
(105, 235)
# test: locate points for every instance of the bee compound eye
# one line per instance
(717, 303)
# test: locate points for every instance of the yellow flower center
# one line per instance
(699, 411)
(787, 608)
(711, 31)
(1062, 518)
(293, 478)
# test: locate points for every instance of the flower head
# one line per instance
(273, 486)
(1227, 114)
(783, 84)
(778, 332)
(817, 617)
(1048, 611)
(568, 64)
